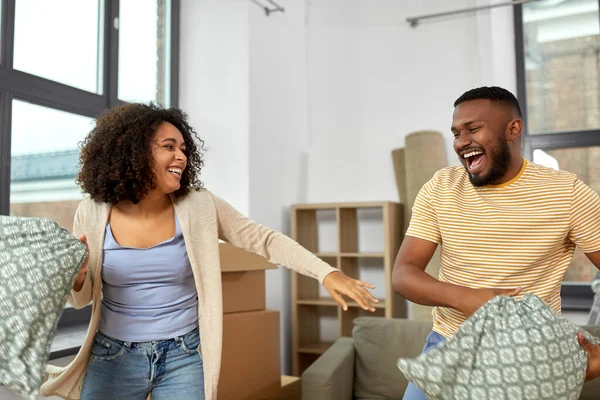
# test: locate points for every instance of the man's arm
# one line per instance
(594, 258)
(410, 280)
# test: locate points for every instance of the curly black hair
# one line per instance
(116, 156)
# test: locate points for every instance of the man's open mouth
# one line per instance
(475, 160)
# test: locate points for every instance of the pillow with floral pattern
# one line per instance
(39, 261)
(508, 349)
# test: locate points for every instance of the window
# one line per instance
(144, 48)
(66, 62)
(562, 67)
(45, 160)
(558, 76)
(60, 41)
(62, 64)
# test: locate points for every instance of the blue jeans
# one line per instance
(434, 339)
(169, 369)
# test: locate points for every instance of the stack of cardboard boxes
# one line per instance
(250, 367)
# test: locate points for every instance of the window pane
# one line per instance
(144, 50)
(585, 163)
(61, 41)
(45, 162)
(562, 63)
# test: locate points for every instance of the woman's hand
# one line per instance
(338, 284)
(83, 270)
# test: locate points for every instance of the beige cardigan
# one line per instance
(204, 218)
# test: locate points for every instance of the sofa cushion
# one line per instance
(508, 349)
(379, 342)
(39, 261)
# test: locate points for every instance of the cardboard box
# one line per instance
(234, 259)
(243, 279)
(243, 291)
(250, 367)
(291, 389)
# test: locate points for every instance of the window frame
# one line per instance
(48, 93)
(576, 296)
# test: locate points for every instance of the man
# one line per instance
(506, 226)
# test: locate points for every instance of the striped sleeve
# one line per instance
(585, 218)
(424, 222)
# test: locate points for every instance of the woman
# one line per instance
(153, 274)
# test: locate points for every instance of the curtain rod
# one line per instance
(414, 21)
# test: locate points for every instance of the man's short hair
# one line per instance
(493, 93)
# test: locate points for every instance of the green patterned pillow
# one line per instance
(39, 261)
(508, 349)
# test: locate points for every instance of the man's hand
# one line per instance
(83, 270)
(593, 354)
(338, 284)
(473, 299)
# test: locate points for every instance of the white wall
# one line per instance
(307, 105)
(278, 136)
(214, 91)
(373, 79)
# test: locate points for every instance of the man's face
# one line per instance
(480, 130)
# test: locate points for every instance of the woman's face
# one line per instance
(169, 160)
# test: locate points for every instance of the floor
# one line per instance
(6, 394)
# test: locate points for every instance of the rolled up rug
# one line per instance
(39, 261)
(423, 155)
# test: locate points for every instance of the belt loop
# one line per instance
(127, 345)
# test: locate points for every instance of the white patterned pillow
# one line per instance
(39, 261)
(508, 349)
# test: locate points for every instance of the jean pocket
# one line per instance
(191, 341)
(105, 348)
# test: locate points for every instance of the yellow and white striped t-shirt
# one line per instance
(519, 234)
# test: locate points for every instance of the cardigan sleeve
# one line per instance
(276, 247)
(84, 296)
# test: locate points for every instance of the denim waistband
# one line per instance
(127, 344)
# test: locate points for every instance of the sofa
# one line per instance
(363, 367)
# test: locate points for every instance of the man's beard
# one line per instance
(500, 158)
